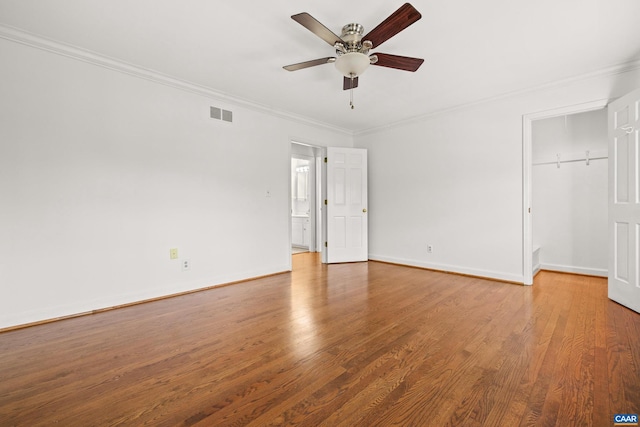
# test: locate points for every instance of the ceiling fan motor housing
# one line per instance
(352, 38)
(352, 35)
(352, 57)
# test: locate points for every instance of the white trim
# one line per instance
(75, 308)
(73, 52)
(39, 42)
(527, 161)
(609, 71)
(527, 227)
(488, 274)
(600, 272)
(290, 209)
(535, 260)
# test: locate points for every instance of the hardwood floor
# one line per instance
(363, 344)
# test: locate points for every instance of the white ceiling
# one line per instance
(473, 50)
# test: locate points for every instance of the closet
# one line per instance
(569, 200)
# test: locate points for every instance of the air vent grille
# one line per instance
(220, 114)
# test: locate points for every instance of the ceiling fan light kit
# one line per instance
(352, 48)
(352, 64)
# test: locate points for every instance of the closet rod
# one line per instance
(569, 161)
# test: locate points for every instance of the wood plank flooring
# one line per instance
(365, 344)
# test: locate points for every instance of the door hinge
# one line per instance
(325, 160)
(325, 201)
(325, 244)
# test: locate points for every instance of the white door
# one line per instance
(347, 225)
(624, 201)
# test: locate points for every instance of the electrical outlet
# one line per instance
(173, 253)
(429, 249)
(186, 264)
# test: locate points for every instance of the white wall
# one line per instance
(101, 173)
(570, 202)
(455, 180)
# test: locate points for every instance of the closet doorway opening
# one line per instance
(566, 188)
(306, 192)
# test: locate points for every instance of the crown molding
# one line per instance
(23, 37)
(609, 71)
(59, 48)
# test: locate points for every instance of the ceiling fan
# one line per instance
(352, 48)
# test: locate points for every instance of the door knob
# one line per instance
(364, 210)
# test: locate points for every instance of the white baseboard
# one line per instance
(536, 269)
(488, 274)
(107, 302)
(576, 270)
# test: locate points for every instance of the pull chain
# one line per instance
(351, 93)
(351, 98)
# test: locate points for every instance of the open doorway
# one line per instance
(306, 209)
(301, 203)
(569, 197)
(561, 142)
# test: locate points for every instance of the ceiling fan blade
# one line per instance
(346, 84)
(398, 62)
(307, 64)
(313, 25)
(396, 22)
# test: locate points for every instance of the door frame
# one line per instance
(527, 178)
